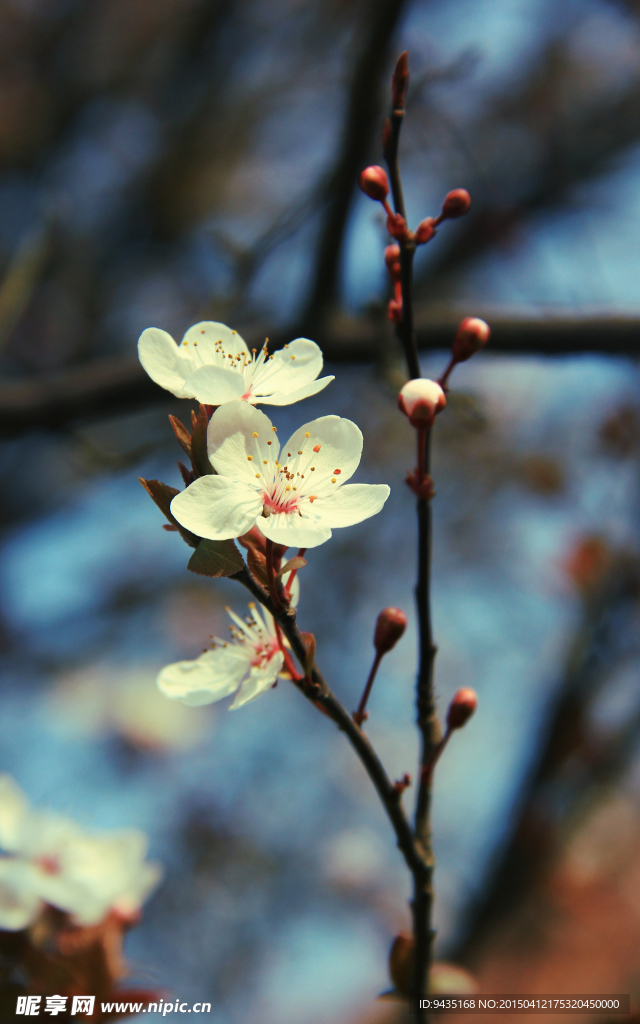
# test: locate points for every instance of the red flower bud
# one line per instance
(461, 708)
(400, 81)
(473, 334)
(425, 230)
(397, 227)
(390, 626)
(374, 182)
(456, 204)
(421, 400)
(394, 311)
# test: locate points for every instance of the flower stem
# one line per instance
(359, 715)
(405, 329)
(271, 576)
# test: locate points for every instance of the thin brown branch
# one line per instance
(319, 693)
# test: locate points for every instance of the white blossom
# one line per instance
(49, 859)
(249, 663)
(213, 364)
(295, 496)
(421, 400)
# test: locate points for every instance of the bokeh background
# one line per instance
(165, 161)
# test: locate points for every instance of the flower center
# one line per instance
(264, 652)
(277, 502)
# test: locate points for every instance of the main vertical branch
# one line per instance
(429, 731)
(426, 715)
(405, 329)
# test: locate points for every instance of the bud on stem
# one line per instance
(374, 183)
(390, 625)
(456, 204)
(421, 400)
(400, 81)
(461, 708)
(473, 334)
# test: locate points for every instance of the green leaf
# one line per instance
(216, 558)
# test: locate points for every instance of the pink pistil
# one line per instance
(273, 506)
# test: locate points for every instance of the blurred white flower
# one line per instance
(213, 364)
(49, 859)
(102, 700)
(294, 500)
(249, 663)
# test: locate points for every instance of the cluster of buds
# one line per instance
(375, 184)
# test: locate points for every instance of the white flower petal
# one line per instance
(293, 531)
(351, 504)
(261, 678)
(208, 335)
(215, 385)
(340, 447)
(230, 441)
(160, 357)
(19, 906)
(297, 396)
(289, 369)
(14, 809)
(217, 507)
(209, 678)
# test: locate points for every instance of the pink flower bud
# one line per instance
(394, 311)
(374, 182)
(390, 626)
(473, 334)
(421, 400)
(400, 81)
(397, 227)
(425, 230)
(456, 204)
(461, 708)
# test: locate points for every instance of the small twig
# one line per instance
(360, 715)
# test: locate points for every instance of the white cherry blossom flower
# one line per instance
(213, 364)
(249, 663)
(295, 496)
(49, 859)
